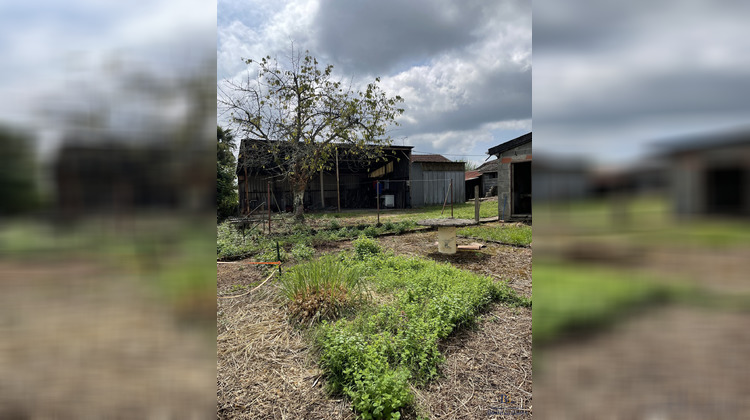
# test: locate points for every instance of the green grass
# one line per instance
(571, 298)
(375, 356)
(322, 289)
(511, 234)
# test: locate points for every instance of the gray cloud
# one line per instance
(373, 37)
(635, 71)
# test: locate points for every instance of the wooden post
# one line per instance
(338, 183)
(377, 199)
(268, 204)
(451, 187)
(476, 203)
(322, 195)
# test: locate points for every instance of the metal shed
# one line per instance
(432, 177)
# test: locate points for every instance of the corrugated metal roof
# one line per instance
(471, 175)
(511, 144)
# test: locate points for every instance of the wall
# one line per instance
(519, 154)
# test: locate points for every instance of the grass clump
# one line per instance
(322, 289)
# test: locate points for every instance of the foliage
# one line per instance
(231, 243)
(226, 185)
(373, 356)
(365, 247)
(17, 173)
(322, 289)
(511, 234)
(302, 252)
(300, 113)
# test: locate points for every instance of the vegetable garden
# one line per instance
(373, 328)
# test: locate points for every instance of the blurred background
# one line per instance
(107, 209)
(641, 186)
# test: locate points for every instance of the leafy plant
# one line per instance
(372, 357)
(365, 247)
(302, 252)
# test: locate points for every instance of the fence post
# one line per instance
(476, 203)
(268, 204)
(451, 198)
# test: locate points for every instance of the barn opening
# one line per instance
(725, 190)
(521, 188)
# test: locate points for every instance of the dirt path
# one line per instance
(670, 363)
(266, 370)
(79, 341)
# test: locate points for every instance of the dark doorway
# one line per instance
(521, 187)
(725, 190)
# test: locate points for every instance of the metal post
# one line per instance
(268, 204)
(278, 256)
(377, 192)
(476, 203)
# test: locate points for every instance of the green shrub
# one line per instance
(322, 289)
(365, 247)
(334, 225)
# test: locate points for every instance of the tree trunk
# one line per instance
(299, 204)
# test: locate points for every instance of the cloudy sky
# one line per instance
(613, 78)
(64, 60)
(463, 68)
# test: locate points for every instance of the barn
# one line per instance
(432, 179)
(710, 174)
(514, 177)
(350, 183)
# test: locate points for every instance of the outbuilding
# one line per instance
(432, 179)
(710, 174)
(514, 177)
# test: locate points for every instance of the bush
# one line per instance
(322, 289)
(365, 247)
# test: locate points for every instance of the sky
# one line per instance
(614, 79)
(463, 68)
(65, 62)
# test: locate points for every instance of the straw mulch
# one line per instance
(266, 368)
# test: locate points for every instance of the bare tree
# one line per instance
(295, 117)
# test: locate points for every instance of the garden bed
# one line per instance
(276, 373)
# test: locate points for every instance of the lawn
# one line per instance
(517, 234)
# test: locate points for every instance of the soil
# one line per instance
(266, 369)
(670, 363)
(83, 341)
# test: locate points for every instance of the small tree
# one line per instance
(300, 114)
(226, 188)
